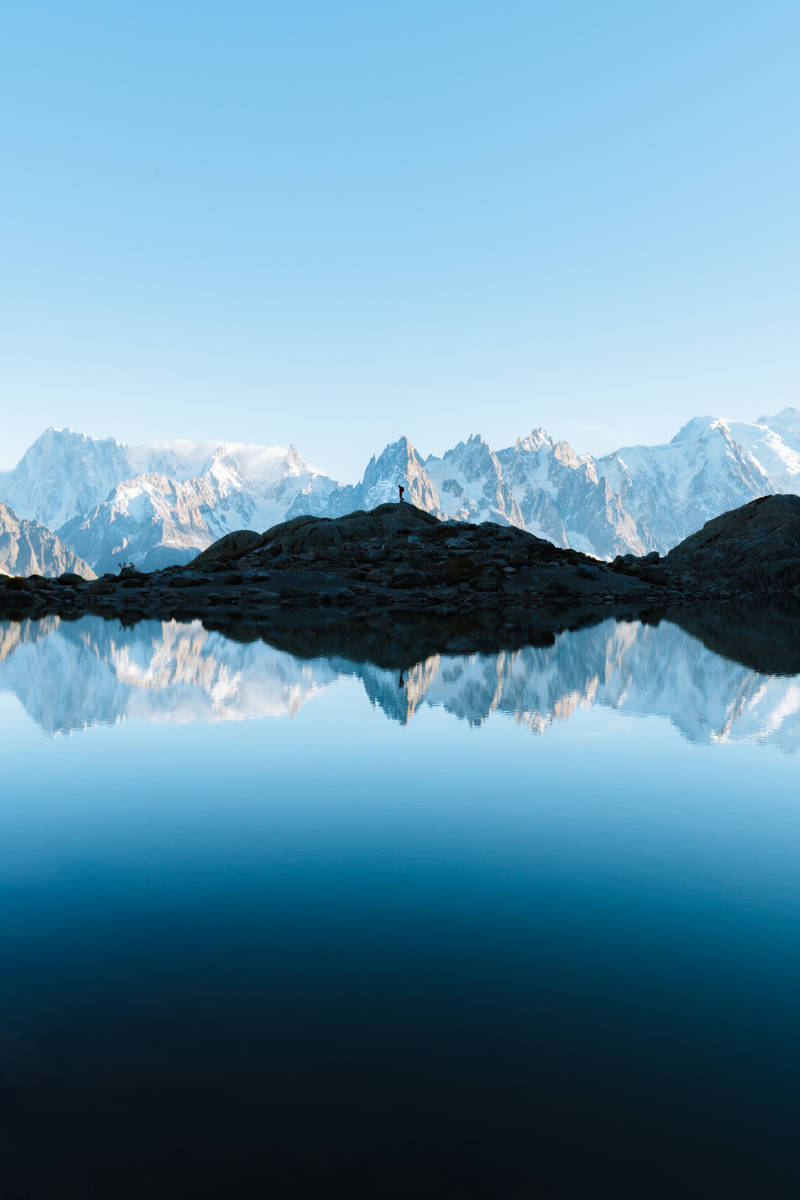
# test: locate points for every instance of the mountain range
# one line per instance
(103, 502)
(70, 675)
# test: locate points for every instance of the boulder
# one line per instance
(232, 545)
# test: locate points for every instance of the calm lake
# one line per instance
(524, 924)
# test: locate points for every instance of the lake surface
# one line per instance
(524, 924)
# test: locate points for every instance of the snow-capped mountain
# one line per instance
(398, 464)
(562, 497)
(160, 503)
(155, 504)
(536, 484)
(28, 548)
(637, 499)
(155, 519)
(707, 468)
(63, 475)
(71, 675)
(471, 486)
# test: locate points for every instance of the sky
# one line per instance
(332, 224)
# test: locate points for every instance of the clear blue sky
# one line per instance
(331, 223)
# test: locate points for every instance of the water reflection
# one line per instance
(71, 675)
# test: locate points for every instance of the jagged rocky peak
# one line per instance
(564, 453)
(533, 441)
(294, 462)
(471, 486)
(399, 464)
(539, 441)
(474, 450)
(561, 497)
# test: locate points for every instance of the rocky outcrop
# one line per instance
(400, 559)
(367, 567)
(755, 548)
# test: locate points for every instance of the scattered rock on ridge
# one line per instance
(229, 546)
(400, 559)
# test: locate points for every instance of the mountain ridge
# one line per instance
(160, 503)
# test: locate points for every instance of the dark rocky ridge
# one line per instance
(755, 547)
(369, 574)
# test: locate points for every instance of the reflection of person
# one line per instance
(400, 489)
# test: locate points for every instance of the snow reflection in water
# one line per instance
(71, 675)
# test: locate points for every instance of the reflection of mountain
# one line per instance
(638, 669)
(69, 675)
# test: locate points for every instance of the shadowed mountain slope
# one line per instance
(28, 548)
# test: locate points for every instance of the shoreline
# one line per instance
(398, 576)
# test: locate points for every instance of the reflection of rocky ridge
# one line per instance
(69, 675)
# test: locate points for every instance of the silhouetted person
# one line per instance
(400, 489)
(401, 681)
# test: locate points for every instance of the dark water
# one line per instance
(526, 925)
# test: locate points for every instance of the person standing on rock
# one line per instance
(400, 489)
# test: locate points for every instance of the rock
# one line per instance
(229, 546)
(408, 579)
(655, 575)
(486, 583)
(756, 546)
(400, 558)
(186, 581)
